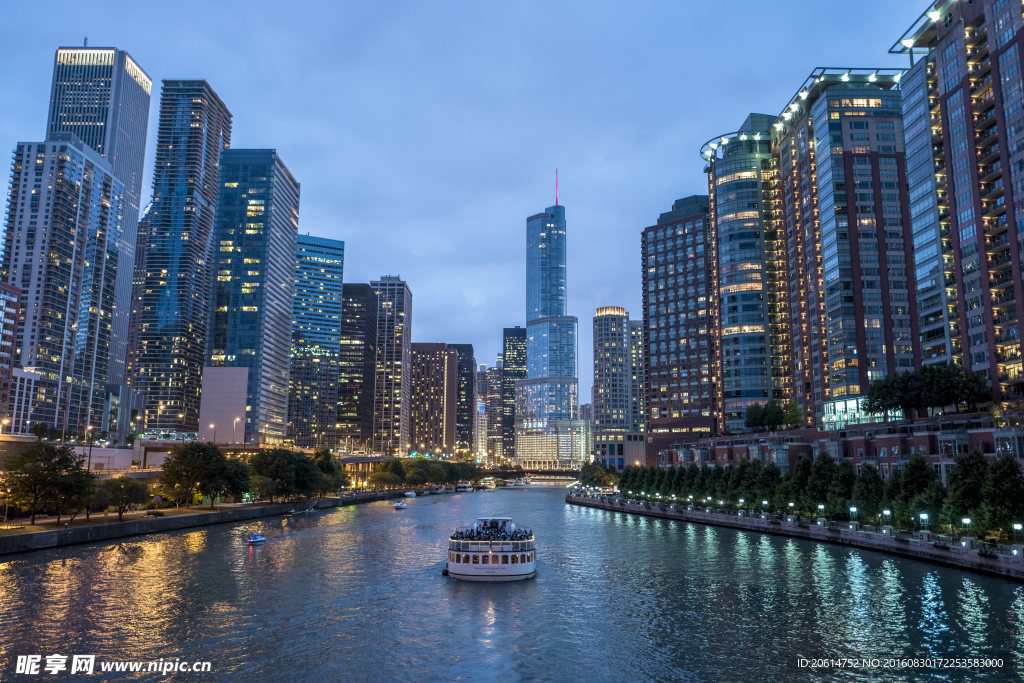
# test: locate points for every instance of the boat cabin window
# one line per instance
(504, 559)
(486, 560)
(465, 559)
(515, 559)
(522, 558)
(476, 559)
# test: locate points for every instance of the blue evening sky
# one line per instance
(424, 133)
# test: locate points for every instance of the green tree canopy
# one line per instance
(45, 473)
(123, 492)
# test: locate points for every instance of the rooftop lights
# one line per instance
(897, 77)
(803, 94)
(757, 136)
(725, 140)
(907, 42)
(934, 15)
(873, 77)
(845, 77)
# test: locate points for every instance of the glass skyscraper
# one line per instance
(548, 430)
(102, 95)
(316, 341)
(357, 367)
(174, 298)
(254, 270)
(393, 383)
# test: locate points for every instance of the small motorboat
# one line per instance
(400, 505)
(257, 538)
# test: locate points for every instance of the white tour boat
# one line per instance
(463, 487)
(493, 549)
(400, 505)
(410, 494)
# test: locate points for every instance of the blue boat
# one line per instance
(257, 538)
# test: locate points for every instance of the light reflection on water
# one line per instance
(356, 594)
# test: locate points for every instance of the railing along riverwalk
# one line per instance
(966, 553)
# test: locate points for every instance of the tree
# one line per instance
(773, 416)
(36, 475)
(72, 493)
(194, 467)
(123, 492)
(964, 485)
(1003, 493)
(394, 466)
(792, 417)
(840, 491)
(234, 479)
(384, 479)
(334, 474)
(265, 487)
(754, 419)
(868, 492)
(819, 482)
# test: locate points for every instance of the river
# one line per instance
(356, 593)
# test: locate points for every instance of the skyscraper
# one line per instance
(102, 96)
(493, 409)
(393, 382)
(845, 211)
(317, 311)
(465, 407)
(513, 370)
(612, 390)
(677, 260)
(963, 126)
(638, 393)
(63, 229)
(751, 356)
(435, 389)
(357, 367)
(254, 266)
(173, 305)
(549, 432)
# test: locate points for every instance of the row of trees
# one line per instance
(419, 471)
(772, 415)
(46, 477)
(989, 491)
(201, 468)
(932, 386)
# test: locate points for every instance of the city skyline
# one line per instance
(619, 163)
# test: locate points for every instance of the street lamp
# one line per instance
(214, 428)
(887, 513)
(235, 422)
(853, 512)
(821, 508)
(966, 521)
(923, 519)
(181, 416)
(88, 431)
(5, 422)
(6, 498)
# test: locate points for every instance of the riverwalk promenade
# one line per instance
(965, 553)
(37, 540)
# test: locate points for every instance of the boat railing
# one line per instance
(506, 546)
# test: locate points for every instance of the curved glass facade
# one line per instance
(737, 180)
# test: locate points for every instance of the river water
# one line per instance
(356, 593)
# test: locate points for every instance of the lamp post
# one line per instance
(923, 520)
(853, 512)
(214, 428)
(966, 521)
(88, 431)
(235, 422)
(6, 498)
(1017, 526)
(887, 513)
(5, 422)
(821, 508)
(181, 416)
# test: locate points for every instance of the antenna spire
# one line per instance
(556, 187)
(85, 43)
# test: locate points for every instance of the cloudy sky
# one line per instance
(424, 133)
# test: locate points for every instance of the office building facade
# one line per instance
(393, 381)
(357, 367)
(254, 284)
(466, 404)
(173, 302)
(612, 391)
(315, 369)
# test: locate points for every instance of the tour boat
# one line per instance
(257, 538)
(410, 494)
(400, 505)
(488, 483)
(493, 549)
(463, 486)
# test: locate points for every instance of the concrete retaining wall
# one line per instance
(115, 530)
(1006, 566)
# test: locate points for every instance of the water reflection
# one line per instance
(356, 593)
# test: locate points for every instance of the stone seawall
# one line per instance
(1010, 566)
(116, 530)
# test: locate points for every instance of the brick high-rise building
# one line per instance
(963, 126)
(433, 405)
(678, 268)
